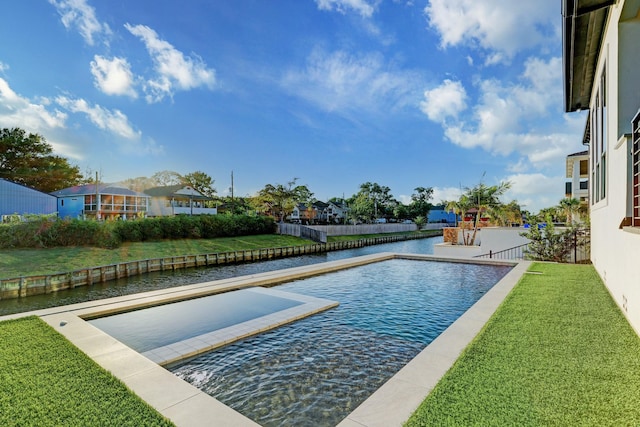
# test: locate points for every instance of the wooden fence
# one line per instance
(34, 285)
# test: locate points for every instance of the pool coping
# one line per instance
(185, 405)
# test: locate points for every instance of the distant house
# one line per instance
(304, 214)
(178, 199)
(335, 212)
(319, 212)
(19, 199)
(601, 63)
(101, 201)
(578, 172)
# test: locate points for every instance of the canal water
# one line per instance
(168, 279)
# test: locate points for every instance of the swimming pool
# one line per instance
(317, 370)
(154, 327)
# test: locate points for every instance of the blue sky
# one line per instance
(431, 93)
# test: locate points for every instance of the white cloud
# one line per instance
(510, 117)
(535, 191)
(363, 7)
(113, 121)
(175, 70)
(446, 100)
(17, 111)
(500, 27)
(113, 76)
(78, 14)
(3, 67)
(339, 81)
(446, 194)
(34, 117)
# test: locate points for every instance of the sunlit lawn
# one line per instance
(558, 352)
(24, 262)
(46, 381)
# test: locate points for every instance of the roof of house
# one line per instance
(341, 204)
(81, 190)
(176, 191)
(579, 154)
(583, 27)
(11, 183)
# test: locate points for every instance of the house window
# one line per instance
(598, 146)
(635, 152)
(89, 203)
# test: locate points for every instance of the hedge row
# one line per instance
(48, 233)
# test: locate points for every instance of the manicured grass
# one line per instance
(558, 352)
(46, 381)
(26, 262)
(33, 262)
(427, 233)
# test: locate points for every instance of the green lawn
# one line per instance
(558, 352)
(46, 381)
(26, 262)
(427, 233)
(33, 262)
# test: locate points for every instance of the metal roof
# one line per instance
(81, 190)
(179, 191)
(583, 26)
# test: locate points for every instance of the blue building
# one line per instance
(438, 214)
(17, 199)
(101, 201)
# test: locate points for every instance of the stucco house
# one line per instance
(178, 199)
(578, 174)
(17, 199)
(601, 62)
(101, 201)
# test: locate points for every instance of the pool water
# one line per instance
(319, 369)
(159, 326)
(168, 279)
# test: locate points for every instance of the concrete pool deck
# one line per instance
(185, 405)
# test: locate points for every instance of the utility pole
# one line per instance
(231, 187)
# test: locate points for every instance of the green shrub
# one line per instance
(43, 232)
(151, 229)
(129, 231)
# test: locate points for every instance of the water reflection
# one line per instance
(167, 279)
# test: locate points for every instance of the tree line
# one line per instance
(28, 159)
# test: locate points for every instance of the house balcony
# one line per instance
(194, 211)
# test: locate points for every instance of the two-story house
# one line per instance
(178, 199)
(101, 201)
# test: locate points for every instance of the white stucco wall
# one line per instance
(456, 251)
(615, 251)
(494, 239)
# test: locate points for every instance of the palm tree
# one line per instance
(570, 207)
(483, 197)
(455, 207)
